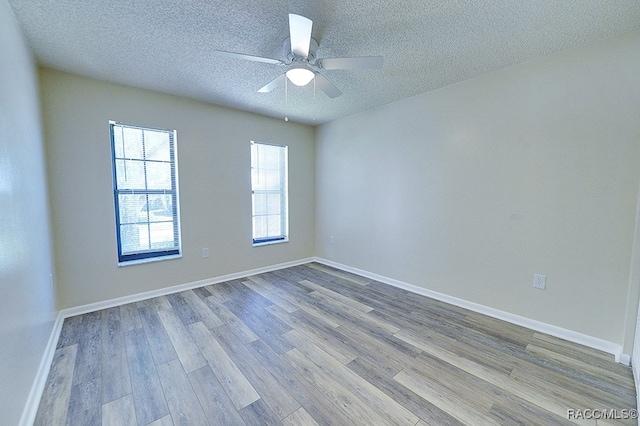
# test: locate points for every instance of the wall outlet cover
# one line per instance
(539, 281)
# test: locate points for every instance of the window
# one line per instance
(145, 191)
(269, 193)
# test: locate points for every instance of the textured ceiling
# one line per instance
(167, 46)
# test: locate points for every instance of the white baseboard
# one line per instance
(33, 401)
(572, 336)
(636, 379)
(97, 306)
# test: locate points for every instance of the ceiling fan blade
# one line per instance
(362, 62)
(247, 57)
(273, 84)
(326, 86)
(300, 34)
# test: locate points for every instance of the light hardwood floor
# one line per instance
(314, 345)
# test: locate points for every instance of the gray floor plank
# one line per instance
(244, 294)
(184, 406)
(202, 311)
(403, 395)
(182, 309)
(231, 378)
(336, 296)
(187, 351)
(70, 333)
(119, 412)
(54, 403)
(202, 292)
(269, 291)
(299, 417)
(346, 404)
(85, 407)
(115, 370)
(329, 314)
(240, 330)
(163, 421)
(148, 397)
(259, 413)
(526, 414)
(89, 355)
(366, 392)
(161, 347)
(214, 400)
(220, 292)
(262, 323)
(314, 402)
(324, 335)
(158, 303)
(281, 402)
(130, 317)
(338, 273)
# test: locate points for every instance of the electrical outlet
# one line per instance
(332, 240)
(539, 281)
(205, 252)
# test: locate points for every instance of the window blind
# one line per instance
(145, 192)
(269, 186)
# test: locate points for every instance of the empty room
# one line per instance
(319, 213)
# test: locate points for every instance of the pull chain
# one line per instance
(286, 99)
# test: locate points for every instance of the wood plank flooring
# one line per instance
(313, 345)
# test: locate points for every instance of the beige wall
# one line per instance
(471, 189)
(27, 299)
(214, 187)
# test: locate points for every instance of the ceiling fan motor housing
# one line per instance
(313, 48)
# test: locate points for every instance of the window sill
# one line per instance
(149, 260)
(268, 243)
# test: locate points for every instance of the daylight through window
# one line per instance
(269, 193)
(145, 191)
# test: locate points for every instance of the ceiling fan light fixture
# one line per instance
(300, 76)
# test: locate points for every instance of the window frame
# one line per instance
(150, 255)
(283, 191)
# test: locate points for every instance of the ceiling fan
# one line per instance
(301, 62)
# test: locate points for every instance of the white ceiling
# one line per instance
(167, 46)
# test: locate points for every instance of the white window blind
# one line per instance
(145, 192)
(269, 186)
